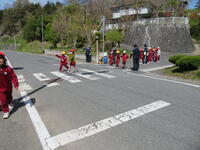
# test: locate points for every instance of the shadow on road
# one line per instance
(18, 102)
(18, 68)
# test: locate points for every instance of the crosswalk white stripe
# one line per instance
(100, 74)
(66, 77)
(41, 76)
(20, 78)
(24, 87)
(110, 66)
(53, 84)
(87, 76)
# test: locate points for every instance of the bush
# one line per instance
(175, 58)
(188, 62)
(198, 73)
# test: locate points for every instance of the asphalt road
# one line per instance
(81, 111)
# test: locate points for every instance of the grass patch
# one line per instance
(177, 72)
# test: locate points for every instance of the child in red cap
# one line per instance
(72, 59)
(63, 61)
(124, 59)
(7, 78)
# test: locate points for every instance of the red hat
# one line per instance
(72, 50)
(1, 53)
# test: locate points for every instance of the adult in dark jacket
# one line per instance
(136, 57)
(145, 52)
(88, 54)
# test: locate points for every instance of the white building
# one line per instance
(130, 9)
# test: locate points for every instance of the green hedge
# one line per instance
(188, 62)
(175, 58)
(198, 73)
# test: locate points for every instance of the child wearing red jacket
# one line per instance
(117, 58)
(72, 60)
(111, 58)
(124, 59)
(7, 78)
(63, 61)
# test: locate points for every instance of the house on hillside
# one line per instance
(129, 11)
(126, 10)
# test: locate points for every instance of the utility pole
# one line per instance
(97, 49)
(103, 20)
(15, 47)
(42, 33)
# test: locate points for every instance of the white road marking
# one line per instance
(126, 70)
(66, 77)
(41, 76)
(94, 128)
(100, 74)
(8, 62)
(110, 66)
(39, 125)
(24, 87)
(157, 78)
(55, 64)
(87, 76)
(156, 68)
(53, 84)
(20, 78)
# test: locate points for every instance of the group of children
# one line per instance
(8, 77)
(115, 56)
(147, 55)
(64, 60)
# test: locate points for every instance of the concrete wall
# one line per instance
(172, 34)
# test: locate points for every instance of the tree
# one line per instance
(115, 35)
(20, 3)
(197, 4)
(1, 16)
(32, 29)
(51, 36)
(59, 26)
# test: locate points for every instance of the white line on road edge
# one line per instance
(40, 127)
(157, 78)
(156, 68)
(94, 128)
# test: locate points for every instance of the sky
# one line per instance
(6, 3)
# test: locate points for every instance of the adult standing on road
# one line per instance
(136, 57)
(88, 54)
(146, 52)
